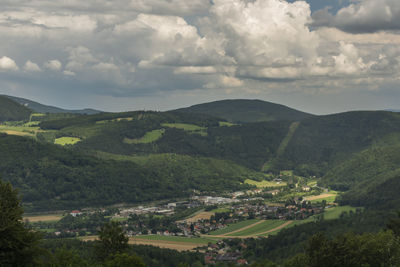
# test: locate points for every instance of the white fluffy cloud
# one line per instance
(7, 63)
(31, 66)
(363, 16)
(150, 47)
(54, 65)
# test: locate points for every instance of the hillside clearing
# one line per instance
(67, 141)
(149, 137)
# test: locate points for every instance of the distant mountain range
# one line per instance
(40, 108)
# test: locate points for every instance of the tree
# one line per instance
(112, 240)
(18, 245)
(125, 260)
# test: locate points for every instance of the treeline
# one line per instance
(291, 241)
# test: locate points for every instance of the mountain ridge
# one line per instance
(41, 108)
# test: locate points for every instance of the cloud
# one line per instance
(175, 7)
(30, 66)
(263, 34)
(53, 65)
(154, 48)
(366, 16)
(7, 63)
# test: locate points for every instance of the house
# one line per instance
(75, 213)
(306, 188)
(273, 192)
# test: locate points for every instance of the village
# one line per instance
(197, 216)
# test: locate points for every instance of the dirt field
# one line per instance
(44, 218)
(10, 132)
(202, 215)
(180, 246)
(320, 196)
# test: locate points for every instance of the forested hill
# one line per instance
(12, 111)
(40, 108)
(50, 177)
(322, 142)
(244, 110)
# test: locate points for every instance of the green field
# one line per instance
(264, 183)
(327, 199)
(187, 127)
(260, 228)
(226, 124)
(194, 240)
(234, 227)
(149, 137)
(220, 210)
(19, 130)
(334, 213)
(67, 141)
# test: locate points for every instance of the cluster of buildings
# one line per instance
(222, 253)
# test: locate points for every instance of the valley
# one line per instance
(218, 183)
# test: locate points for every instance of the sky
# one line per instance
(318, 56)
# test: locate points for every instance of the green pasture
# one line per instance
(226, 124)
(149, 137)
(327, 199)
(187, 127)
(264, 183)
(67, 141)
(335, 212)
(260, 228)
(233, 227)
(221, 210)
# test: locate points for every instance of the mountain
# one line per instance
(12, 111)
(320, 143)
(243, 111)
(40, 108)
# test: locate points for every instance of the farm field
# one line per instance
(265, 183)
(196, 240)
(43, 218)
(66, 141)
(234, 227)
(149, 137)
(20, 130)
(206, 215)
(260, 228)
(329, 197)
(220, 210)
(171, 242)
